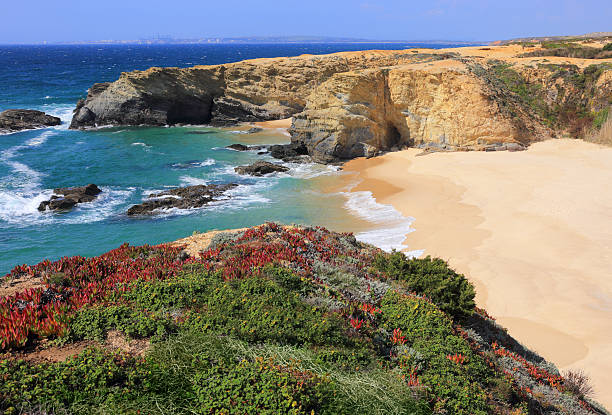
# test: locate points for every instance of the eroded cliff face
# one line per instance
(359, 113)
(355, 104)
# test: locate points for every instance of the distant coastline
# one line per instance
(260, 40)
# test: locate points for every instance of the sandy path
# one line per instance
(532, 230)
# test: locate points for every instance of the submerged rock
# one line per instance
(238, 147)
(242, 147)
(18, 119)
(180, 198)
(66, 198)
(260, 168)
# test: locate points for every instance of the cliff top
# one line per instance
(513, 52)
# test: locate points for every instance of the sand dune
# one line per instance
(532, 230)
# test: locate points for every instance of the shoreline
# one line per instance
(501, 219)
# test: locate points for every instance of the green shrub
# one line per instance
(94, 322)
(608, 47)
(429, 339)
(601, 117)
(260, 309)
(87, 380)
(433, 278)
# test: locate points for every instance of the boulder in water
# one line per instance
(180, 198)
(66, 198)
(260, 168)
(294, 152)
(18, 119)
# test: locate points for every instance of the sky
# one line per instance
(35, 21)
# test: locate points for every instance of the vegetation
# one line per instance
(600, 118)
(563, 97)
(450, 291)
(271, 320)
(570, 49)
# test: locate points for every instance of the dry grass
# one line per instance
(578, 382)
(604, 135)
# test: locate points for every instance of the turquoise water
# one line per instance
(129, 163)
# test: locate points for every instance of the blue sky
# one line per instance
(32, 21)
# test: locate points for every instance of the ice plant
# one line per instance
(356, 323)
(456, 358)
(397, 337)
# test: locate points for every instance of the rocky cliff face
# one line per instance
(355, 104)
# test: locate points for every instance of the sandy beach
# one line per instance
(532, 230)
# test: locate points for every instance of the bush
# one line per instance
(433, 278)
(260, 309)
(90, 378)
(427, 341)
(608, 47)
(94, 322)
(577, 382)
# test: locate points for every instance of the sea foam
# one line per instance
(391, 226)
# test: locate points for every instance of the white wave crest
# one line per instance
(392, 226)
(21, 209)
(22, 177)
(308, 170)
(62, 111)
(192, 181)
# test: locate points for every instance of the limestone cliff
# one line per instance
(353, 104)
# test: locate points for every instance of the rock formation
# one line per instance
(181, 198)
(260, 168)
(66, 198)
(238, 147)
(353, 104)
(17, 119)
(242, 147)
(294, 152)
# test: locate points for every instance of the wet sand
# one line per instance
(532, 230)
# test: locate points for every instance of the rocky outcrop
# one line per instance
(260, 168)
(356, 104)
(17, 120)
(242, 147)
(238, 147)
(66, 198)
(255, 90)
(294, 152)
(180, 198)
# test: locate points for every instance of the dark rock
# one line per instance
(17, 120)
(289, 152)
(242, 147)
(83, 193)
(254, 130)
(180, 198)
(238, 147)
(260, 168)
(66, 198)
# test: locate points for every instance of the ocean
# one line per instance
(130, 163)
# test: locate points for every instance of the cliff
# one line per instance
(270, 319)
(353, 104)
